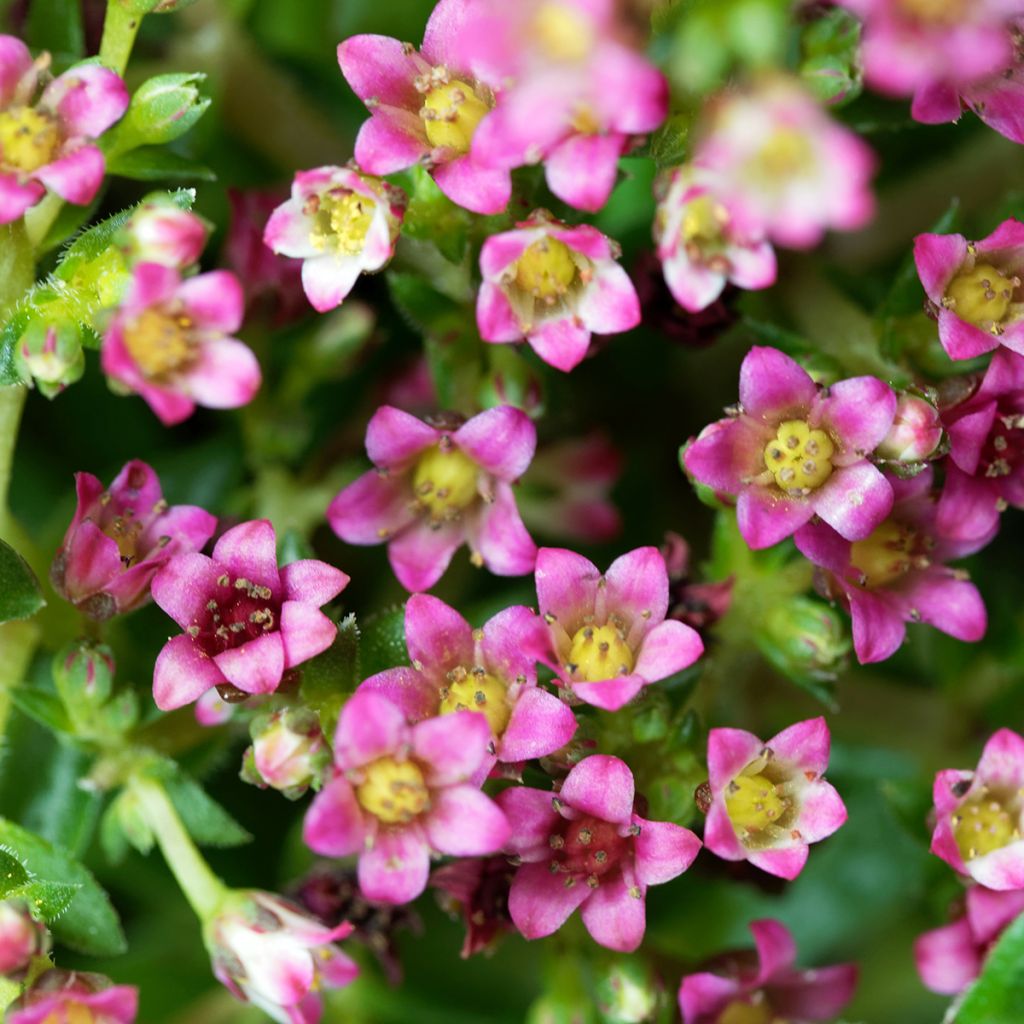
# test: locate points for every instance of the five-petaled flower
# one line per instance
(769, 800)
(74, 996)
(401, 791)
(245, 620)
(171, 343)
(979, 815)
(586, 846)
(47, 143)
(437, 487)
(553, 285)
(120, 537)
(792, 450)
(341, 224)
(609, 630)
(766, 988)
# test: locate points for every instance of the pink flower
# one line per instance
(978, 815)
(609, 630)
(245, 620)
(267, 952)
(783, 167)
(578, 96)
(21, 937)
(491, 671)
(477, 888)
(698, 244)
(916, 431)
(897, 574)
(910, 46)
(553, 285)
(170, 343)
(58, 996)
(769, 800)
(565, 492)
(436, 488)
(341, 224)
(120, 537)
(985, 469)
(425, 107)
(288, 751)
(400, 792)
(767, 988)
(792, 450)
(46, 143)
(974, 289)
(950, 958)
(587, 847)
(160, 232)
(212, 710)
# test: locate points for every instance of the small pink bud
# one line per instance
(288, 751)
(916, 431)
(165, 234)
(21, 937)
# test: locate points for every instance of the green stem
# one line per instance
(202, 888)
(119, 30)
(40, 218)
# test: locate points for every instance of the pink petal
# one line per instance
(494, 316)
(560, 343)
(539, 902)
(88, 99)
(394, 438)
(804, 745)
(947, 603)
(499, 252)
(390, 141)
(226, 374)
(76, 176)
(380, 68)
(1002, 760)
(581, 171)
(787, 863)
(969, 434)
(312, 581)
(438, 637)
(637, 585)
(614, 917)
(412, 691)
(860, 412)
(990, 912)
(463, 822)
(184, 585)
(371, 509)
(369, 727)
(822, 812)
(948, 959)
(729, 752)
(703, 996)
(420, 554)
(878, 629)
(753, 266)
(720, 836)
(256, 666)
(92, 561)
(566, 586)
(16, 198)
(962, 340)
(288, 232)
(183, 672)
(600, 785)
(774, 387)
(502, 440)
(938, 258)
(692, 285)
(451, 747)
(854, 500)
(305, 632)
(539, 725)
(726, 453)
(764, 516)
(334, 824)
(668, 648)
(470, 185)
(444, 27)
(663, 851)
(498, 535)
(215, 301)
(249, 550)
(1001, 870)
(819, 993)
(532, 819)
(609, 303)
(776, 950)
(514, 641)
(610, 694)
(396, 867)
(328, 279)
(15, 63)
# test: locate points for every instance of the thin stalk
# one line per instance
(119, 30)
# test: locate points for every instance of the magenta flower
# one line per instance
(477, 888)
(978, 815)
(268, 952)
(950, 958)
(22, 937)
(120, 537)
(436, 488)
(985, 469)
(974, 289)
(783, 167)
(400, 792)
(425, 107)
(765, 986)
(245, 620)
(769, 800)
(490, 670)
(553, 285)
(170, 343)
(916, 431)
(587, 848)
(609, 630)
(578, 96)
(46, 143)
(897, 574)
(793, 450)
(341, 224)
(59, 996)
(699, 246)
(160, 232)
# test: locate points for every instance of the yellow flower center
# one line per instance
(394, 792)
(341, 219)
(748, 1013)
(599, 653)
(885, 555)
(125, 530)
(546, 269)
(753, 802)
(445, 482)
(981, 296)
(787, 154)
(478, 691)
(71, 1013)
(703, 221)
(158, 342)
(982, 825)
(451, 113)
(799, 457)
(943, 12)
(563, 33)
(28, 138)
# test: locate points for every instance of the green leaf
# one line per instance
(56, 25)
(997, 996)
(13, 874)
(206, 821)
(155, 163)
(432, 217)
(20, 595)
(89, 924)
(670, 143)
(330, 677)
(43, 707)
(382, 643)
(48, 900)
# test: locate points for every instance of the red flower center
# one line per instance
(238, 612)
(1004, 445)
(587, 846)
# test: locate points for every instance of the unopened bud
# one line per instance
(916, 431)
(162, 109)
(511, 381)
(50, 355)
(288, 752)
(21, 937)
(83, 674)
(627, 993)
(161, 232)
(804, 639)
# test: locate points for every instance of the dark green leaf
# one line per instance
(997, 996)
(12, 873)
(206, 821)
(155, 163)
(670, 143)
(48, 900)
(382, 641)
(432, 217)
(56, 25)
(43, 707)
(329, 678)
(20, 596)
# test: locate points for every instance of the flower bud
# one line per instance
(804, 639)
(511, 381)
(21, 937)
(288, 752)
(83, 674)
(627, 993)
(50, 355)
(162, 109)
(916, 431)
(74, 996)
(161, 232)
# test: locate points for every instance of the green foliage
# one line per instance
(997, 996)
(20, 596)
(330, 677)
